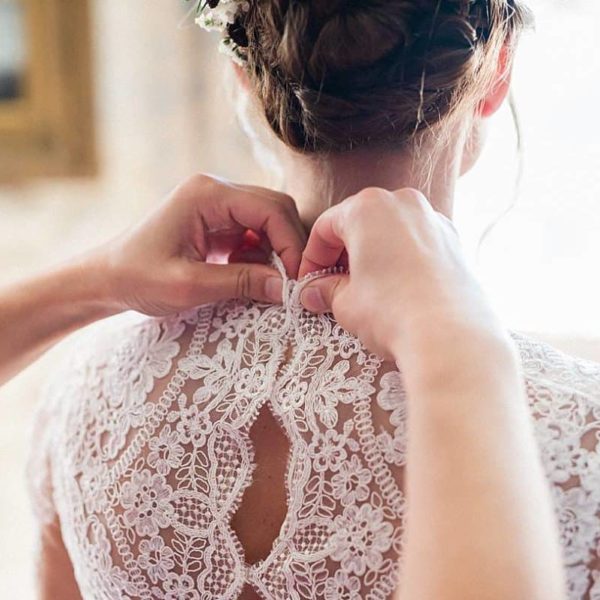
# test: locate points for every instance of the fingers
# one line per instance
(263, 211)
(320, 295)
(285, 199)
(279, 221)
(221, 282)
(325, 245)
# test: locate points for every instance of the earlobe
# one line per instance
(501, 85)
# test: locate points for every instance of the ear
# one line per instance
(500, 85)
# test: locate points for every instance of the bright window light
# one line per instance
(541, 264)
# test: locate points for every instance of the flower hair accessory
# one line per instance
(226, 16)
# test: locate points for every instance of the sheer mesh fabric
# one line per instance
(143, 451)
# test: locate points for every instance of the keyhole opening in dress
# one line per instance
(263, 509)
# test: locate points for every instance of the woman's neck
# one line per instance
(317, 183)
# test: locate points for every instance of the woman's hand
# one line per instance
(166, 263)
(474, 482)
(161, 266)
(406, 268)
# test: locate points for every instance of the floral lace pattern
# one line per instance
(144, 454)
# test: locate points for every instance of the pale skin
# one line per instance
(433, 320)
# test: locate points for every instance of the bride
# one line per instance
(250, 450)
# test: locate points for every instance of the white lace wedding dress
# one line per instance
(143, 452)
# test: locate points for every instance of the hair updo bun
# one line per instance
(333, 75)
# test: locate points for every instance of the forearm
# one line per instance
(38, 312)
(480, 522)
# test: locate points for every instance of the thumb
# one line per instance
(320, 295)
(240, 280)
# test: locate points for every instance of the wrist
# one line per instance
(91, 287)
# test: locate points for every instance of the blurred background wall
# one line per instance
(159, 116)
(161, 113)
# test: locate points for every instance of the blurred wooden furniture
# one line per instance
(46, 126)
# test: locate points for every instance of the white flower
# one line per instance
(194, 425)
(156, 558)
(251, 382)
(342, 587)
(350, 484)
(137, 362)
(293, 395)
(146, 500)
(165, 451)
(327, 451)
(180, 587)
(217, 18)
(359, 537)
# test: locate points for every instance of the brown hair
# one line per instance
(333, 75)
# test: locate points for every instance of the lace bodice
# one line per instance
(143, 451)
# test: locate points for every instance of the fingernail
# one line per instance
(312, 299)
(274, 289)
